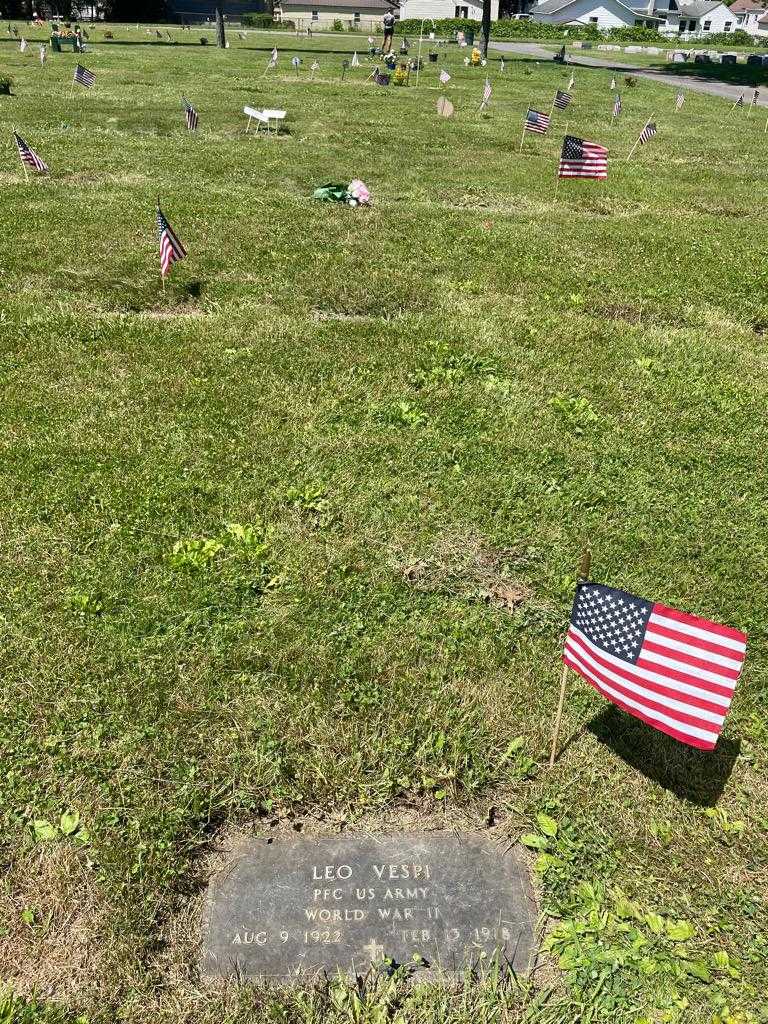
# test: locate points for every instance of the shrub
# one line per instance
(261, 19)
(338, 25)
(737, 38)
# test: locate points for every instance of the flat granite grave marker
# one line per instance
(437, 902)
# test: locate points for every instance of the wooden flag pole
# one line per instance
(586, 561)
(557, 179)
(525, 122)
(766, 126)
(637, 140)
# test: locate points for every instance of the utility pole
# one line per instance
(220, 37)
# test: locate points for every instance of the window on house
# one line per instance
(707, 26)
(356, 17)
(727, 26)
(593, 21)
(315, 16)
(461, 12)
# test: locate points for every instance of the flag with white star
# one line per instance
(673, 670)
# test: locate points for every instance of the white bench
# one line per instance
(266, 116)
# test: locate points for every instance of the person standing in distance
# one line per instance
(389, 30)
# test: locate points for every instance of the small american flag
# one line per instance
(444, 77)
(190, 114)
(43, 53)
(537, 122)
(171, 249)
(562, 99)
(83, 76)
(739, 102)
(23, 44)
(571, 81)
(581, 159)
(273, 58)
(355, 62)
(613, 84)
(502, 66)
(617, 106)
(673, 670)
(679, 101)
(28, 156)
(486, 94)
(647, 133)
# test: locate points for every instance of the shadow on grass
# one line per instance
(696, 775)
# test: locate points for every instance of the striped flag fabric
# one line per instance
(562, 99)
(273, 58)
(486, 94)
(679, 100)
(675, 671)
(171, 249)
(536, 122)
(647, 133)
(28, 156)
(83, 76)
(190, 114)
(444, 77)
(616, 106)
(582, 159)
(739, 102)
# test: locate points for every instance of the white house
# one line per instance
(447, 9)
(748, 14)
(700, 19)
(603, 14)
(366, 15)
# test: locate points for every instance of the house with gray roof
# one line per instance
(603, 14)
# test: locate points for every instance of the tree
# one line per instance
(220, 37)
(486, 25)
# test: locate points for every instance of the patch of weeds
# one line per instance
(454, 368)
(310, 501)
(516, 758)
(194, 553)
(726, 830)
(578, 414)
(86, 604)
(616, 953)
(402, 414)
(18, 1010)
(650, 366)
(68, 826)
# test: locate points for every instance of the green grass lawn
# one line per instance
(291, 545)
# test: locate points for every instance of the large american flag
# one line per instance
(537, 122)
(28, 156)
(83, 76)
(582, 159)
(673, 670)
(171, 249)
(562, 99)
(647, 133)
(190, 114)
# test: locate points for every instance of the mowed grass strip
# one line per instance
(296, 539)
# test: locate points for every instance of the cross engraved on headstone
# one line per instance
(374, 949)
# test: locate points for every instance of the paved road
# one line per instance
(692, 82)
